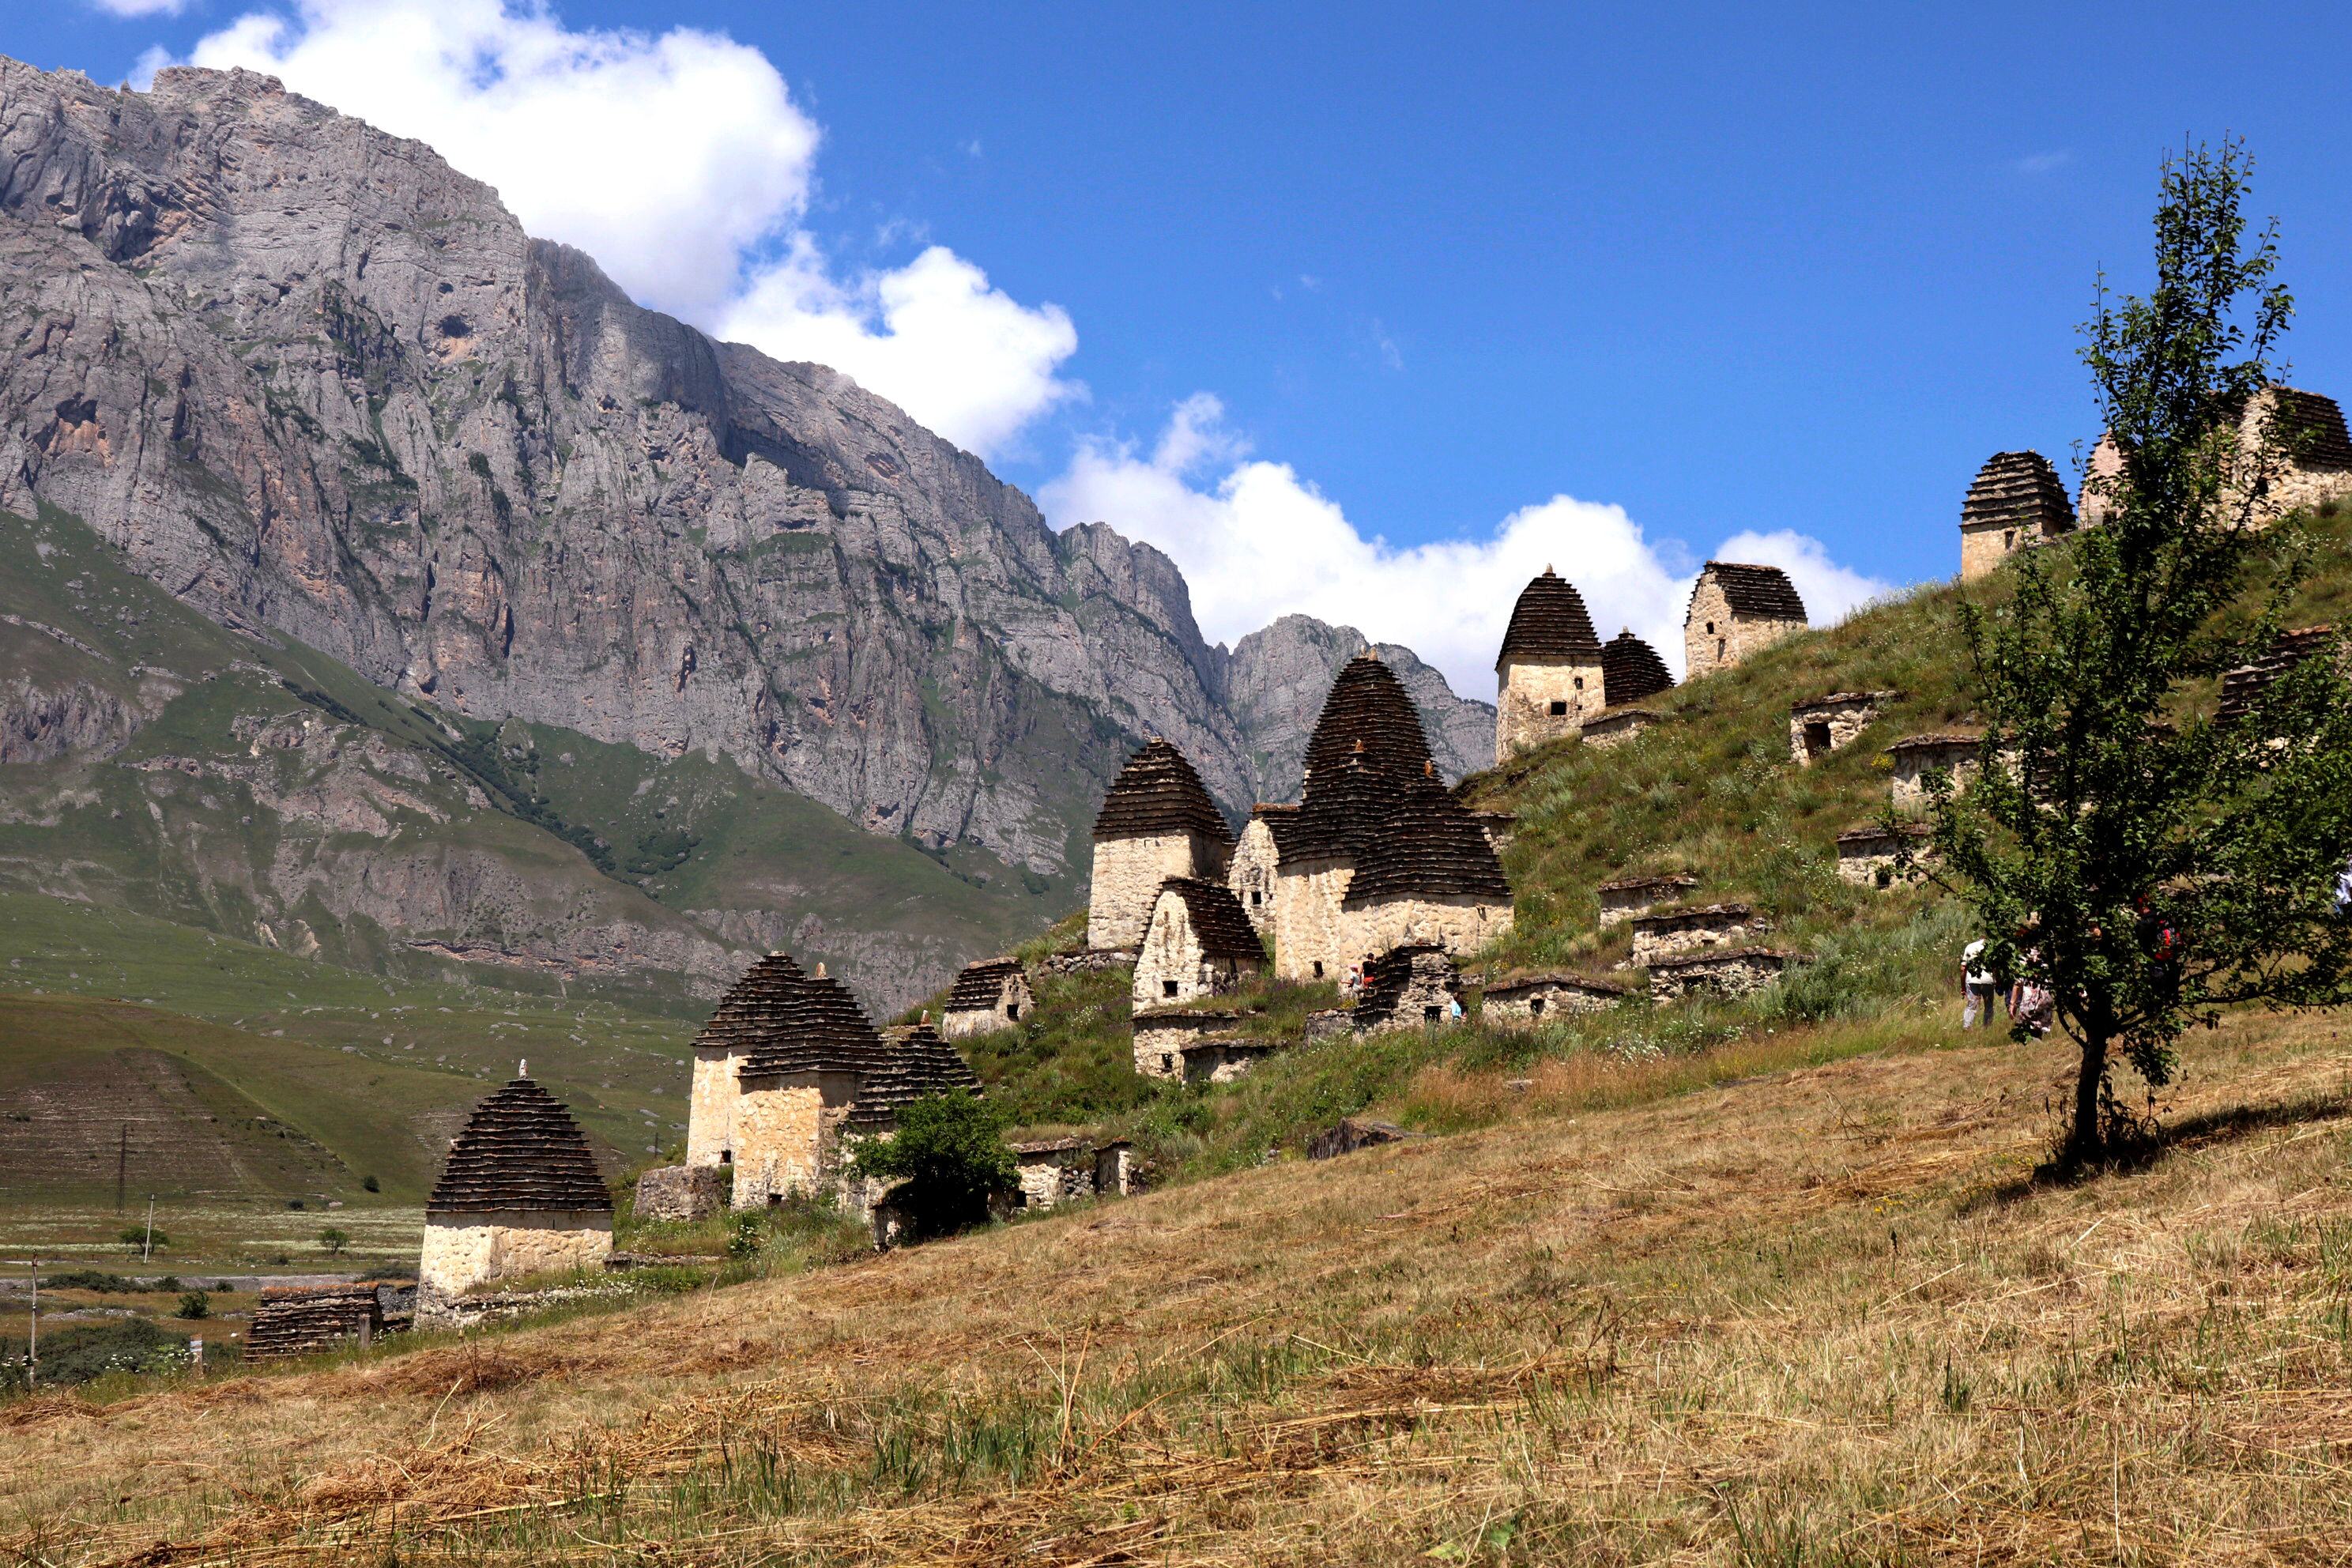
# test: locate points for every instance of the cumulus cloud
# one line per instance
(1256, 541)
(681, 163)
(141, 7)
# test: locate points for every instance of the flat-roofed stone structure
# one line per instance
(1866, 855)
(519, 1194)
(1737, 610)
(1223, 1061)
(1727, 970)
(681, 1193)
(1257, 861)
(1615, 726)
(1054, 1170)
(304, 1320)
(1199, 942)
(2016, 502)
(2314, 451)
(1549, 674)
(1914, 757)
(1630, 896)
(1523, 1000)
(989, 995)
(1161, 1038)
(1427, 874)
(1499, 827)
(1819, 725)
(1408, 988)
(2242, 688)
(1630, 671)
(1662, 933)
(1156, 822)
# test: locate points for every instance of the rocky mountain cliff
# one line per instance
(320, 386)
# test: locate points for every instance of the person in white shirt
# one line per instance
(1977, 981)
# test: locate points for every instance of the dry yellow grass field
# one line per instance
(1820, 1315)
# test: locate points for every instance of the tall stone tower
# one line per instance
(1157, 822)
(2017, 500)
(1547, 677)
(1737, 609)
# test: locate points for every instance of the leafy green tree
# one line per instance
(137, 1240)
(2145, 863)
(950, 1151)
(195, 1304)
(334, 1239)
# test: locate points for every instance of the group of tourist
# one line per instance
(2030, 1004)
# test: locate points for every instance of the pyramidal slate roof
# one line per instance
(2311, 428)
(1426, 845)
(1549, 622)
(1367, 703)
(1344, 806)
(819, 1028)
(981, 985)
(1158, 793)
(1631, 669)
(755, 1007)
(1750, 590)
(520, 1150)
(2017, 490)
(917, 1063)
(1219, 923)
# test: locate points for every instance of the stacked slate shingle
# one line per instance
(1549, 623)
(1763, 591)
(520, 1150)
(1219, 922)
(2242, 688)
(298, 1321)
(1158, 793)
(1631, 669)
(981, 985)
(819, 1028)
(755, 1007)
(2020, 490)
(2310, 428)
(1413, 984)
(1367, 712)
(1426, 846)
(917, 1063)
(1344, 807)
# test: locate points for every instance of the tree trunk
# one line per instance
(2087, 1138)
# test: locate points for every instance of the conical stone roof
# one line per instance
(1219, 923)
(1345, 804)
(520, 1150)
(917, 1063)
(1367, 703)
(2310, 429)
(1750, 590)
(1631, 669)
(1549, 622)
(819, 1028)
(2017, 490)
(980, 985)
(1426, 845)
(755, 1007)
(1159, 793)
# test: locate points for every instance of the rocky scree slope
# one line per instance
(314, 381)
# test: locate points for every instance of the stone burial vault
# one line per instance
(989, 995)
(1737, 610)
(1156, 822)
(1198, 942)
(2017, 502)
(519, 1194)
(1547, 676)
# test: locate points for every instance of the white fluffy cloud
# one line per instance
(1258, 542)
(141, 7)
(682, 164)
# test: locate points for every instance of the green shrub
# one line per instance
(195, 1304)
(950, 1156)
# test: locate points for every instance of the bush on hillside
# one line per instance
(949, 1155)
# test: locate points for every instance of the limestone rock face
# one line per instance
(313, 380)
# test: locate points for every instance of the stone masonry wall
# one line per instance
(1126, 878)
(463, 1250)
(1909, 788)
(1984, 546)
(1160, 1041)
(710, 1108)
(1252, 873)
(786, 1135)
(1843, 721)
(1526, 1004)
(1309, 928)
(1462, 926)
(1733, 638)
(1525, 692)
(1171, 967)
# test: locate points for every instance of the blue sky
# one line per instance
(1376, 310)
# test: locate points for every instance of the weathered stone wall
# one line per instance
(1160, 1041)
(1311, 938)
(1664, 935)
(463, 1250)
(1127, 874)
(1734, 972)
(685, 1192)
(1462, 926)
(1908, 787)
(1522, 1005)
(1425, 1001)
(1867, 859)
(710, 1108)
(1714, 638)
(1817, 729)
(1614, 727)
(1223, 1061)
(1171, 968)
(1985, 545)
(1251, 875)
(787, 1132)
(1527, 694)
(1621, 904)
(1013, 1001)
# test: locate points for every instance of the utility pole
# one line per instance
(121, 1165)
(147, 1248)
